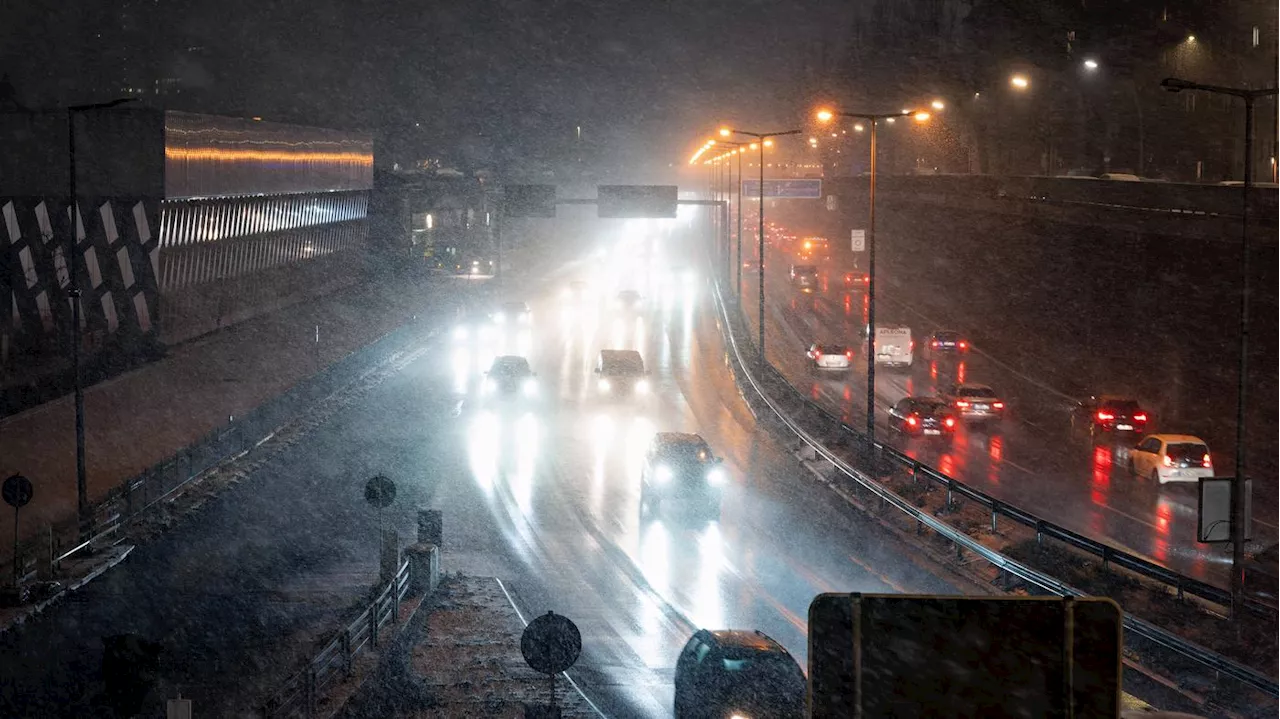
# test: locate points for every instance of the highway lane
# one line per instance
(546, 499)
(1031, 460)
(562, 478)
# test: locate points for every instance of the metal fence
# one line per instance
(300, 694)
(135, 497)
(820, 430)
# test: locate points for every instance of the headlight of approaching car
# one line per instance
(460, 333)
(530, 387)
(716, 477)
(603, 385)
(662, 474)
(488, 386)
(499, 317)
(642, 386)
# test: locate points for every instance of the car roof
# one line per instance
(972, 385)
(750, 640)
(510, 361)
(614, 355)
(1115, 398)
(1179, 438)
(513, 304)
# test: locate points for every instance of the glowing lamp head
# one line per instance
(825, 115)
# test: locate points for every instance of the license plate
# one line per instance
(982, 407)
(933, 431)
(1124, 426)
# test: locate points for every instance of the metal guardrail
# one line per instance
(300, 693)
(1133, 625)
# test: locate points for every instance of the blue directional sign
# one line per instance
(784, 189)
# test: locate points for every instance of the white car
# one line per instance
(1171, 458)
(830, 356)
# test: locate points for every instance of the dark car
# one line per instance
(510, 375)
(946, 342)
(728, 672)
(628, 300)
(621, 372)
(857, 280)
(923, 417)
(804, 277)
(681, 467)
(1110, 416)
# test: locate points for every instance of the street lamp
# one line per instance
(763, 140)
(1019, 82)
(874, 119)
(1091, 65)
(85, 514)
(739, 151)
(1173, 84)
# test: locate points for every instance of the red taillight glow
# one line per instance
(1206, 462)
(963, 344)
(961, 403)
(998, 405)
(1139, 418)
(1104, 416)
(912, 346)
(912, 421)
(950, 421)
(933, 343)
(848, 353)
(1168, 462)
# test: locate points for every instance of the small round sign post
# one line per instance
(550, 645)
(380, 492)
(17, 492)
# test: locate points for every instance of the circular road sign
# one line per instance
(550, 644)
(380, 492)
(17, 491)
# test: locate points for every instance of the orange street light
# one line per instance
(724, 132)
(825, 115)
(921, 116)
(1020, 82)
(937, 105)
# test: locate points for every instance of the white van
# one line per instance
(894, 346)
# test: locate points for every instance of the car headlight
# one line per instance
(603, 385)
(526, 317)
(662, 474)
(642, 386)
(530, 387)
(499, 317)
(717, 476)
(488, 386)
(460, 333)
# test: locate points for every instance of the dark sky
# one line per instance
(639, 77)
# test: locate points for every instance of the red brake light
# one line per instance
(1141, 417)
(1103, 416)
(1167, 461)
(912, 346)
(848, 353)
(1206, 462)
(912, 420)
(933, 343)
(951, 421)
(998, 405)
(961, 403)
(963, 344)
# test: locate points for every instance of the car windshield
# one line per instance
(832, 349)
(687, 453)
(622, 364)
(946, 336)
(509, 367)
(977, 392)
(806, 270)
(931, 407)
(1186, 452)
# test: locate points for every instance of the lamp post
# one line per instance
(873, 118)
(1238, 485)
(737, 151)
(73, 291)
(762, 139)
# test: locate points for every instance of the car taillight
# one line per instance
(848, 353)
(1104, 416)
(961, 403)
(912, 346)
(963, 344)
(912, 421)
(998, 405)
(933, 343)
(1206, 462)
(1139, 418)
(1168, 462)
(950, 421)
